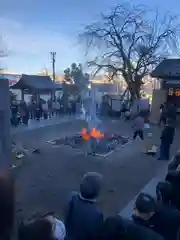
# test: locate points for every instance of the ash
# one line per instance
(99, 147)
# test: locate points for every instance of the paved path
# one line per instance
(150, 188)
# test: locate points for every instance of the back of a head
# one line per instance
(145, 203)
(175, 162)
(6, 204)
(90, 185)
(38, 230)
(164, 192)
(114, 228)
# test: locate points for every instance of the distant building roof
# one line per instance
(168, 68)
(36, 83)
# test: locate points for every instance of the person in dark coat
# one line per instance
(167, 138)
(83, 219)
(15, 118)
(161, 217)
(114, 228)
(25, 112)
(174, 163)
(144, 211)
(171, 112)
(163, 114)
(173, 177)
(117, 228)
(166, 220)
(7, 205)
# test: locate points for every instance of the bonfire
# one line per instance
(93, 133)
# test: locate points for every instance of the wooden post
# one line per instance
(5, 127)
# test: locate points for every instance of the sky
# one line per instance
(31, 29)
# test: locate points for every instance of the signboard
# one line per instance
(174, 92)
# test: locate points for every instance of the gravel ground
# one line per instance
(45, 180)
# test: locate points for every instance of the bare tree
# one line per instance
(129, 43)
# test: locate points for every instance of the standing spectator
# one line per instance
(83, 219)
(173, 177)
(45, 109)
(163, 114)
(24, 112)
(166, 220)
(38, 110)
(117, 228)
(167, 138)
(74, 107)
(57, 108)
(144, 210)
(50, 110)
(14, 112)
(114, 228)
(6, 205)
(69, 107)
(174, 163)
(32, 109)
(171, 112)
(138, 127)
(53, 107)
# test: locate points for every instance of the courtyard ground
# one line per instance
(45, 180)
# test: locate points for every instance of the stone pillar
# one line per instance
(5, 127)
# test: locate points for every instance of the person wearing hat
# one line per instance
(83, 218)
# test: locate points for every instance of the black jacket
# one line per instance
(83, 221)
(167, 135)
(174, 178)
(166, 222)
(143, 230)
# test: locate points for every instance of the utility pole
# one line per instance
(53, 59)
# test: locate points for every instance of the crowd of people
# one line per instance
(153, 218)
(21, 111)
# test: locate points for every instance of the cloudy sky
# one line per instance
(31, 29)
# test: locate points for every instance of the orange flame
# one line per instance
(92, 133)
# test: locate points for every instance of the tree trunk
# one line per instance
(134, 87)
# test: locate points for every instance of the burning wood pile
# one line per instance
(93, 133)
(93, 142)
